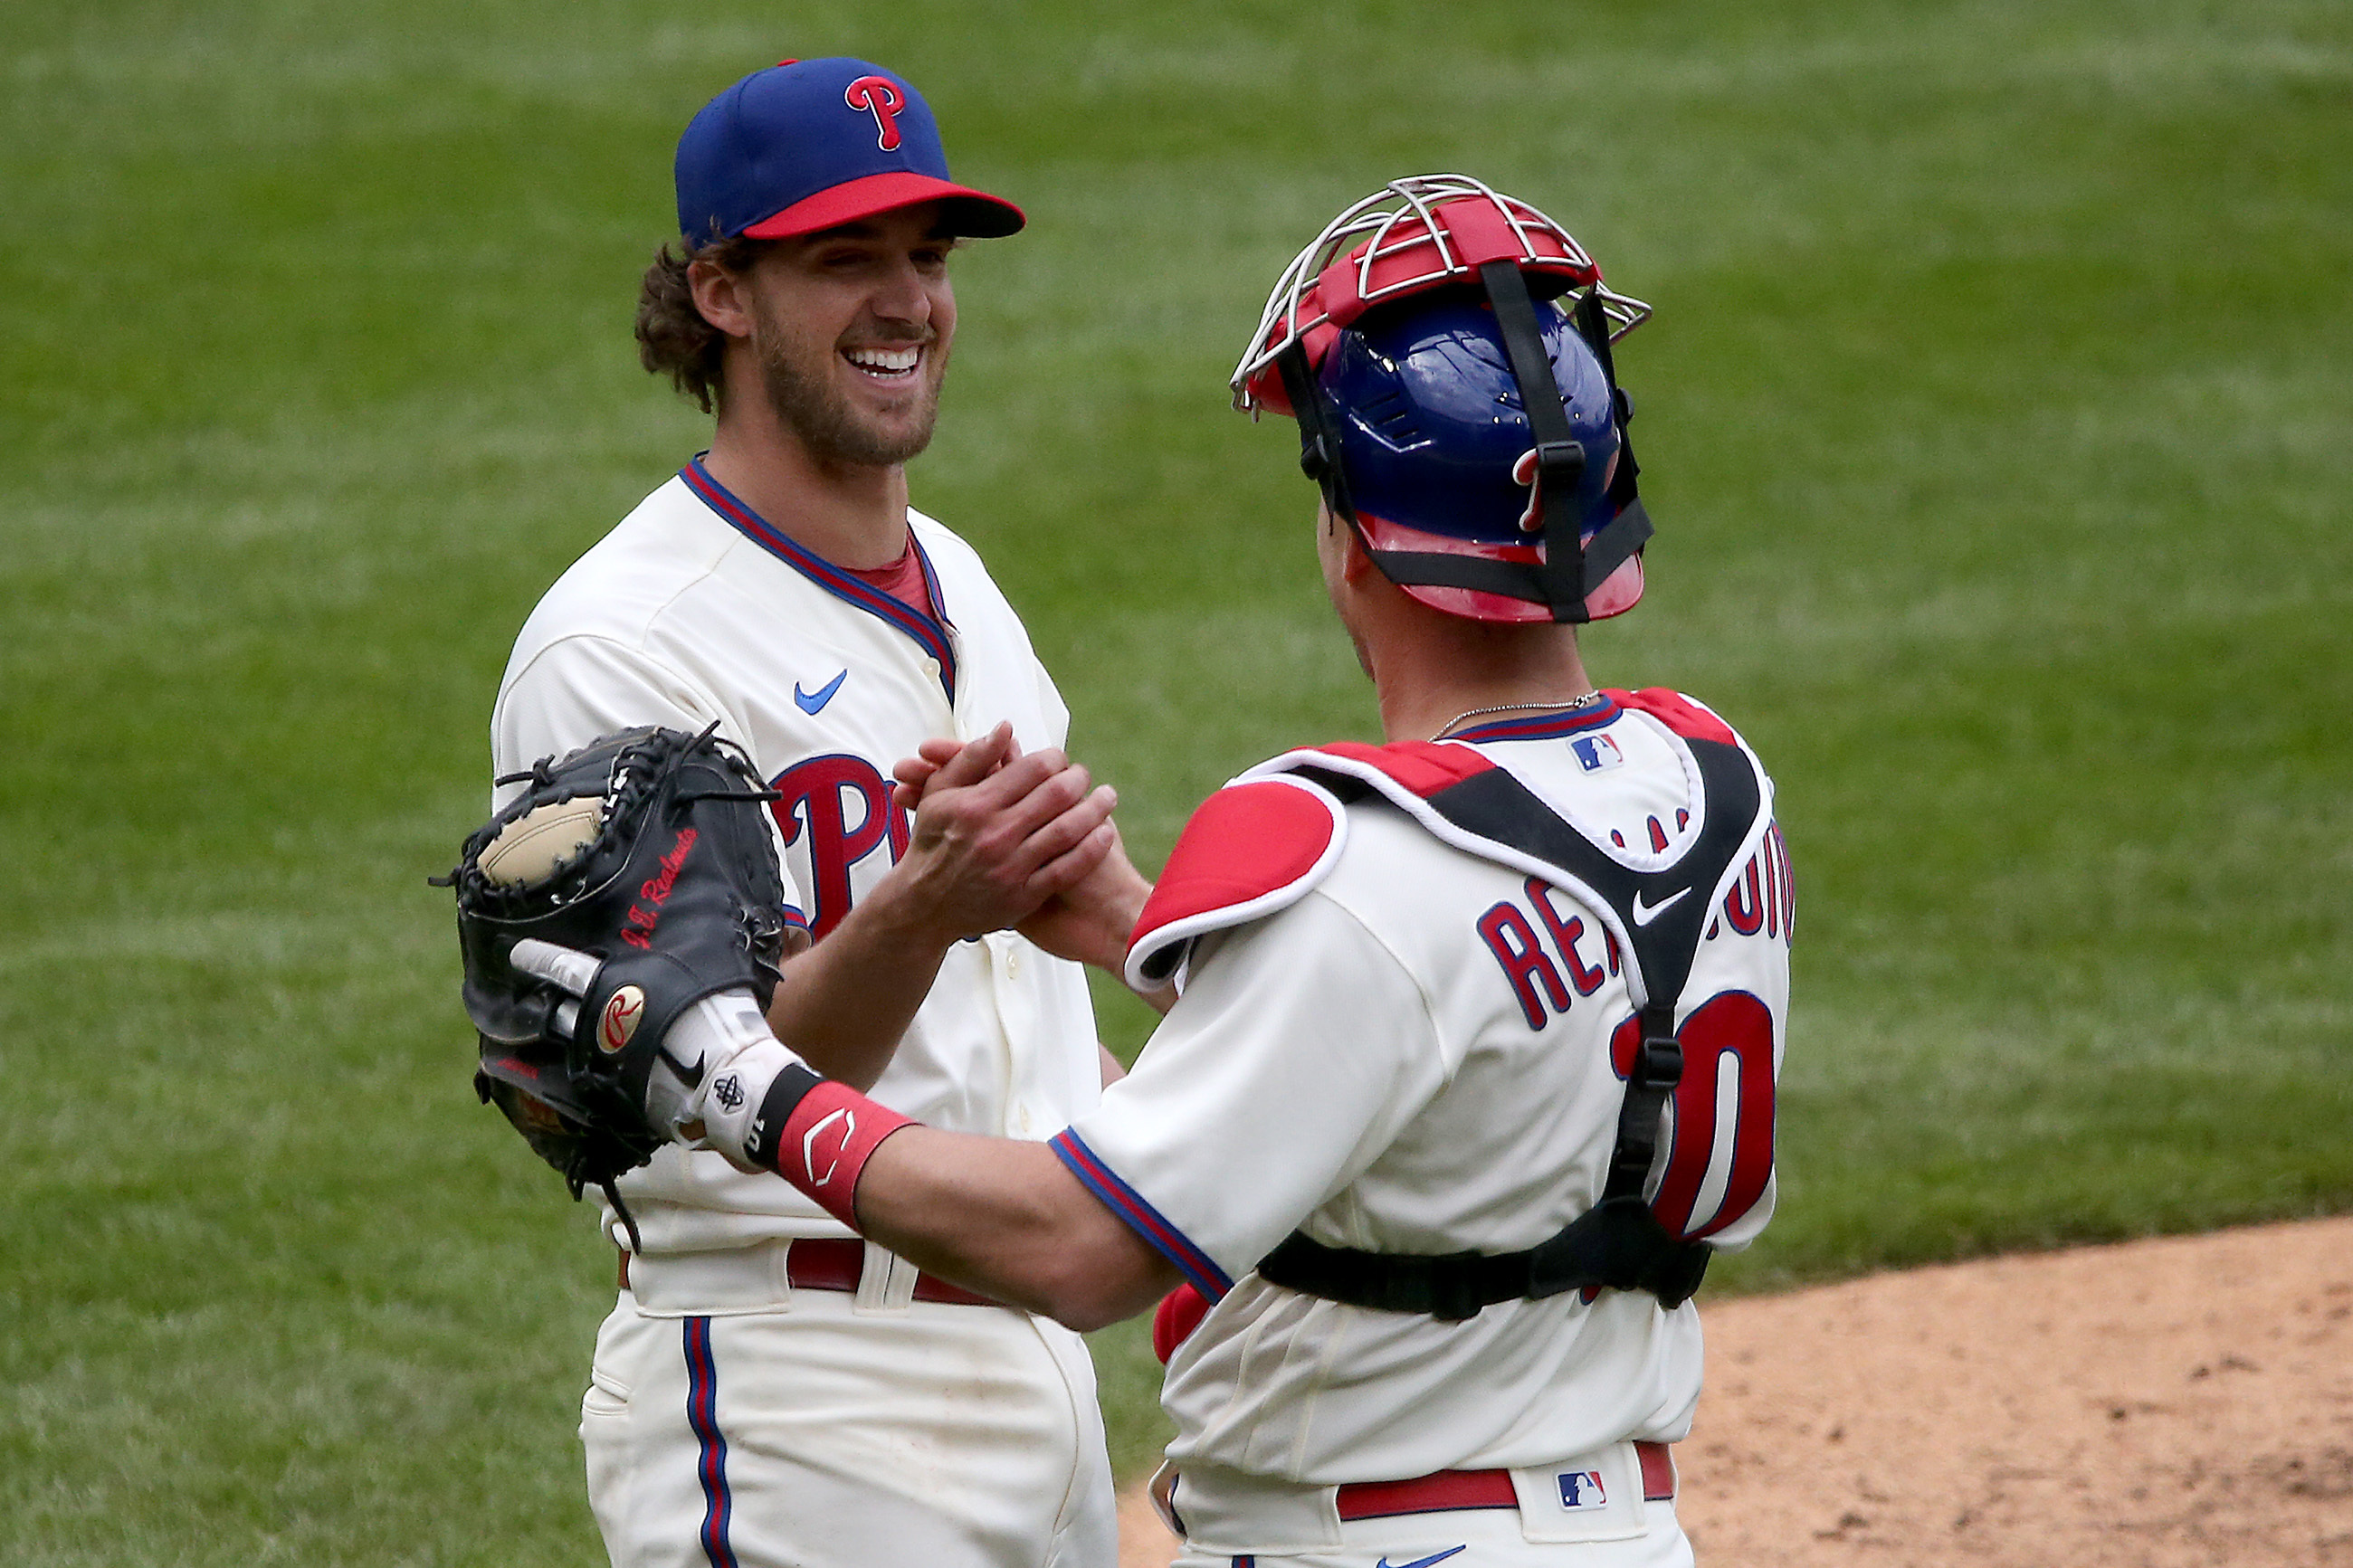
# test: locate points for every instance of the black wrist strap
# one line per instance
(784, 1097)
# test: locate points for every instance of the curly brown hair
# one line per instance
(673, 339)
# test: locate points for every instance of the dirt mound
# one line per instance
(2187, 1400)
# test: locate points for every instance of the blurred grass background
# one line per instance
(1997, 418)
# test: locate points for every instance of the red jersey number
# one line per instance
(1714, 1103)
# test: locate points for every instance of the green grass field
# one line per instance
(1997, 419)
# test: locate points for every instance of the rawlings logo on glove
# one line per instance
(622, 1016)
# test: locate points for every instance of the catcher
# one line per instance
(1473, 1068)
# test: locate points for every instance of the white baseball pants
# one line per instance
(816, 1433)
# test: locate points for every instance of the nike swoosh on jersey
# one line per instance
(1644, 913)
(812, 702)
(1424, 1561)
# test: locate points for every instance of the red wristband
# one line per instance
(825, 1140)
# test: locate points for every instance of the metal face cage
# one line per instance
(1414, 234)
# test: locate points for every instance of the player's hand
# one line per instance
(719, 1038)
(912, 772)
(997, 833)
(1092, 921)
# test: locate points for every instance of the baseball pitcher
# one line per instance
(769, 1388)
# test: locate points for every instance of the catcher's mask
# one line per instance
(1446, 350)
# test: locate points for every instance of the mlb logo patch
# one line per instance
(1597, 753)
(1582, 1489)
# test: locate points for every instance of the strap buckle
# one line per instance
(1315, 459)
(1562, 459)
(1658, 1062)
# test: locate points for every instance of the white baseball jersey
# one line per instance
(695, 610)
(1396, 1044)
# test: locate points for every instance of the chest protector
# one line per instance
(1656, 911)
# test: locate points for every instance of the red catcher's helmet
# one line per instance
(1435, 387)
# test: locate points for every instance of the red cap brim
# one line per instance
(971, 212)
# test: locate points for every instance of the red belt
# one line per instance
(837, 1263)
(1450, 1490)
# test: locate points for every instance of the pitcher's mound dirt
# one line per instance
(2187, 1400)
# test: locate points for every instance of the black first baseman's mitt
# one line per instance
(649, 850)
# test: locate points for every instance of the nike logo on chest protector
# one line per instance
(1645, 911)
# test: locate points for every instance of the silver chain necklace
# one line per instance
(1571, 706)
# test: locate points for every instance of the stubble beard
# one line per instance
(807, 401)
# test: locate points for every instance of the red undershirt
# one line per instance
(903, 580)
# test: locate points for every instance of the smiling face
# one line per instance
(850, 328)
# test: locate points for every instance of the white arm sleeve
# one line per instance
(1298, 1051)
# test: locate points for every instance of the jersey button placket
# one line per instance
(1015, 1015)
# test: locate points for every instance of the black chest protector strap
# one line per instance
(1619, 1243)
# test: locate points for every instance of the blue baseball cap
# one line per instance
(809, 145)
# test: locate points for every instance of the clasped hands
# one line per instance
(1007, 840)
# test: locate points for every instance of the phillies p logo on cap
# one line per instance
(878, 96)
(813, 144)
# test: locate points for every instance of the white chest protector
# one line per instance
(1656, 904)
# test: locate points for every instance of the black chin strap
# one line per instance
(1572, 569)
(1593, 326)
(1319, 442)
